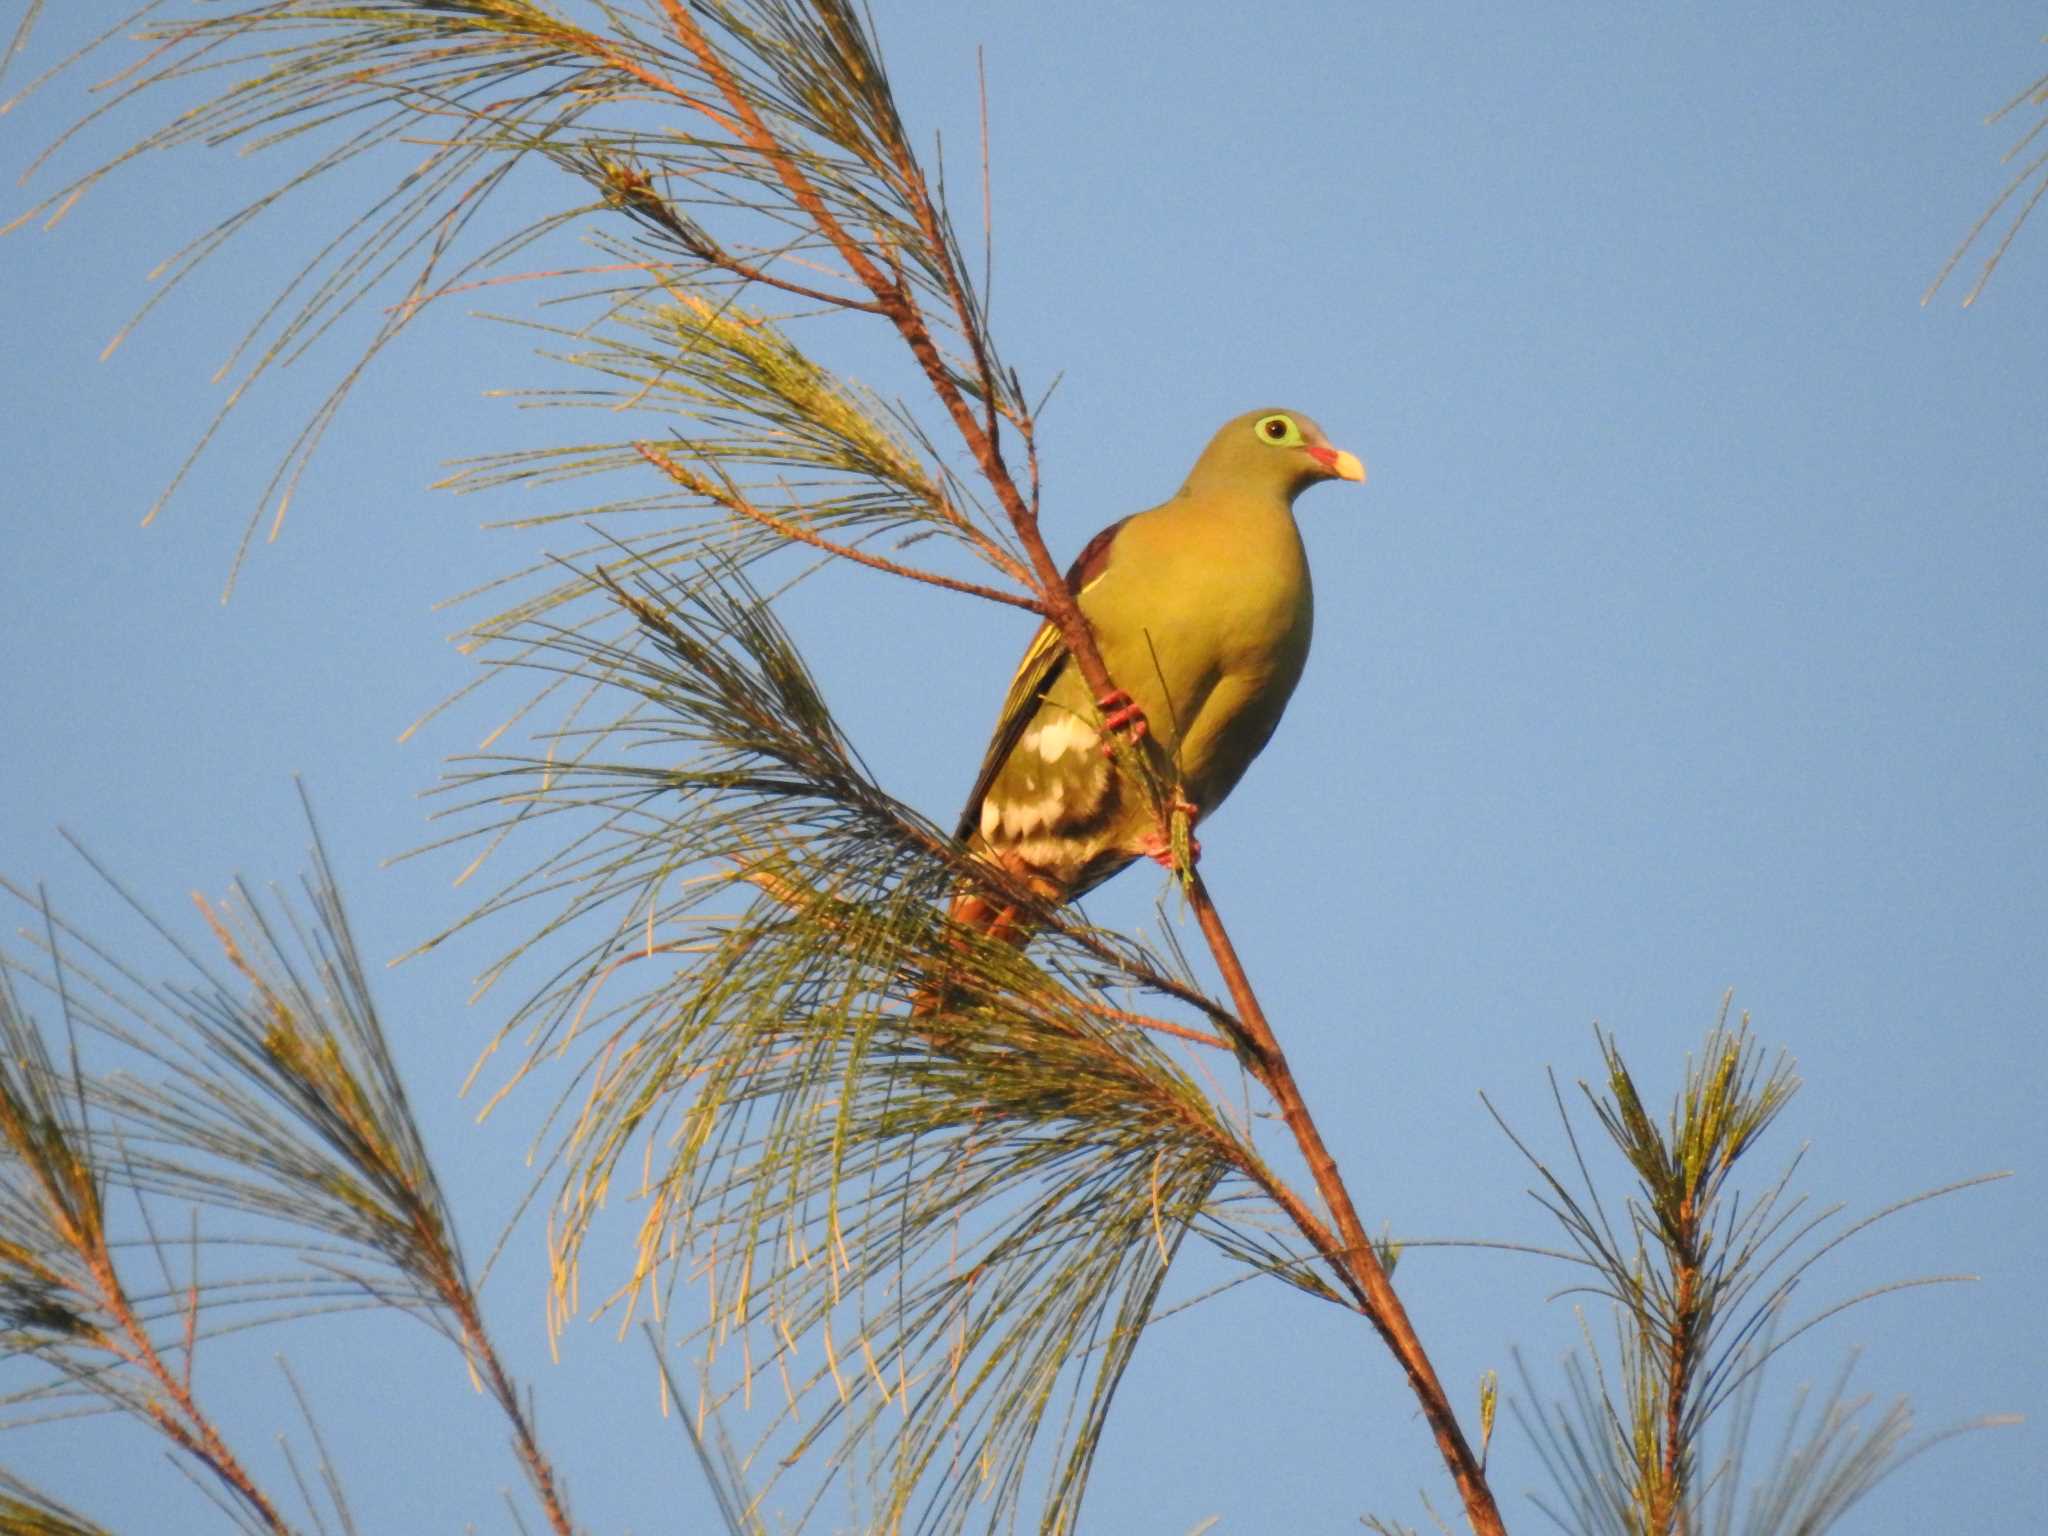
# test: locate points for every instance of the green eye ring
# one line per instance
(1277, 431)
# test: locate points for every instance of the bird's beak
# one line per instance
(1335, 461)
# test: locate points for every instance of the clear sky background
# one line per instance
(1688, 636)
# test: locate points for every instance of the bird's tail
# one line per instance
(979, 910)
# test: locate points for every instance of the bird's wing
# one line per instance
(1093, 560)
(1043, 659)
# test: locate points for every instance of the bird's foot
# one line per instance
(1121, 716)
(1160, 851)
(1159, 844)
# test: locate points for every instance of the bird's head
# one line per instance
(1276, 449)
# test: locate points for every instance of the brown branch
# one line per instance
(462, 1302)
(1667, 1498)
(1357, 1258)
(898, 303)
(180, 1417)
(745, 123)
(733, 502)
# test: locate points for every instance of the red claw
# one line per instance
(1121, 716)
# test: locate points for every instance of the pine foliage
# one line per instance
(932, 1184)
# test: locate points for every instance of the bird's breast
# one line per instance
(1208, 627)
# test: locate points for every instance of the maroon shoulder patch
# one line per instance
(1094, 557)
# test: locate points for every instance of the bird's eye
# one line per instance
(1278, 430)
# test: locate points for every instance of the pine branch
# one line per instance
(1693, 1334)
(57, 1261)
(790, 132)
(277, 1101)
(982, 438)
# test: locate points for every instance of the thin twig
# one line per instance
(716, 255)
(1156, 1025)
(729, 498)
(988, 207)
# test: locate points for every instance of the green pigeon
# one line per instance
(1201, 608)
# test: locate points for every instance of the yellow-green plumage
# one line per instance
(1201, 608)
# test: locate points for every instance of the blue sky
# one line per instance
(1688, 636)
